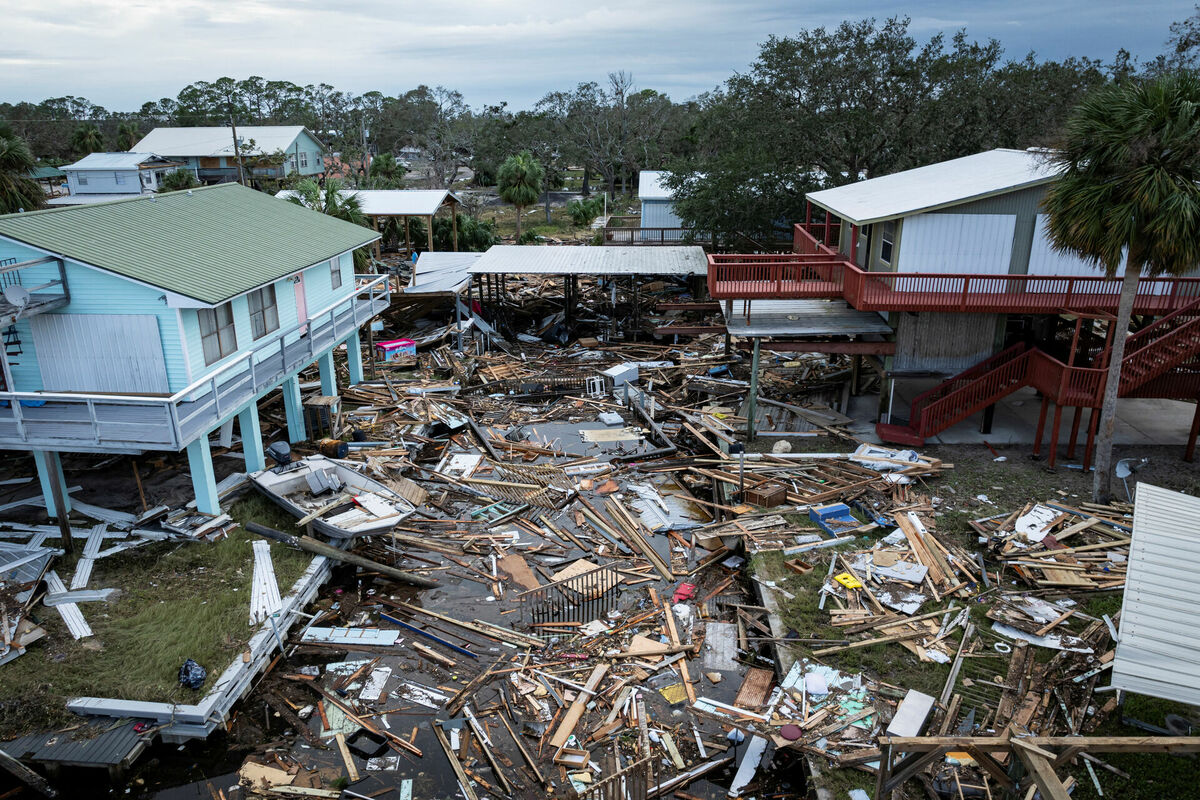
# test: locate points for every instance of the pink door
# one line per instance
(301, 304)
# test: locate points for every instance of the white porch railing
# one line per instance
(127, 422)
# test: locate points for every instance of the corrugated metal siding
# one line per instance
(942, 342)
(93, 292)
(1024, 204)
(660, 214)
(100, 353)
(540, 260)
(1043, 260)
(1158, 652)
(957, 243)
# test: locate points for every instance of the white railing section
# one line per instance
(170, 422)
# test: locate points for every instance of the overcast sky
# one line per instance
(120, 53)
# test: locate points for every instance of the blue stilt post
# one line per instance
(252, 443)
(328, 375)
(293, 409)
(204, 480)
(354, 357)
(47, 460)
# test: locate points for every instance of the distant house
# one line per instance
(658, 201)
(114, 176)
(210, 151)
(149, 323)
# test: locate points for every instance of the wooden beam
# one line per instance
(1091, 744)
(851, 348)
(1042, 773)
(571, 718)
(910, 765)
(991, 767)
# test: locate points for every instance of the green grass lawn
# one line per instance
(177, 600)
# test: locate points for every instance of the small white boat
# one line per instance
(346, 502)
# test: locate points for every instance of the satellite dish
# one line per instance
(17, 296)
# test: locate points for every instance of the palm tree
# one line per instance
(128, 135)
(17, 190)
(178, 180)
(520, 181)
(1129, 199)
(329, 200)
(385, 167)
(86, 139)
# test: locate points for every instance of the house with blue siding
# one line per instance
(146, 324)
(98, 177)
(211, 151)
(657, 201)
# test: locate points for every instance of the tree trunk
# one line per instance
(587, 174)
(518, 223)
(547, 199)
(1102, 480)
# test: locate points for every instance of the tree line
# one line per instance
(818, 108)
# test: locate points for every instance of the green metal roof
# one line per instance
(44, 172)
(208, 244)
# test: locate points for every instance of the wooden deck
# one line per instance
(817, 271)
(130, 424)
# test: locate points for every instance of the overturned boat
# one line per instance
(337, 500)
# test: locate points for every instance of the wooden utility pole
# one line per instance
(237, 148)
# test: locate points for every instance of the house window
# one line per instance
(119, 178)
(303, 159)
(216, 332)
(887, 241)
(82, 179)
(335, 273)
(264, 314)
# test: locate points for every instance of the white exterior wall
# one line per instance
(659, 214)
(957, 243)
(104, 181)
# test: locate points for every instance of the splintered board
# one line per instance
(755, 687)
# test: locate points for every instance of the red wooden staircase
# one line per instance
(1161, 360)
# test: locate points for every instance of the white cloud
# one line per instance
(120, 53)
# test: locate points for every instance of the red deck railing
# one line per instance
(815, 270)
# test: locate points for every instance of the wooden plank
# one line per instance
(755, 687)
(514, 564)
(351, 770)
(571, 718)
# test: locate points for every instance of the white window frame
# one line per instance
(222, 333)
(264, 311)
(887, 240)
(335, 273)
(303, 155)
(82, 179)
(119, 178)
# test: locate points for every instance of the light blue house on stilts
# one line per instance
(147, 324)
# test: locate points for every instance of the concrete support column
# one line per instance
(354, 359)
(328, 375)
(204, 480)
(46, 461)
(252, 443)
(752, 400)
(293, 410)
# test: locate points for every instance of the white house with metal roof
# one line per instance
(147, 323)
(212, 153)
(114, 176)
(657, 201)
